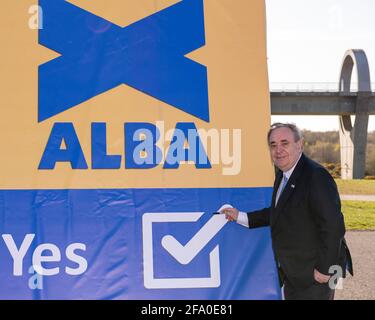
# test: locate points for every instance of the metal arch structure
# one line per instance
(353, 138)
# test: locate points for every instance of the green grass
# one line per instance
(366, 187)
(359, 215)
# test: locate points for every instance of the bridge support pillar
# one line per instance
(353, 139)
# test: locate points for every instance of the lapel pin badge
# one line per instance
(293, 186)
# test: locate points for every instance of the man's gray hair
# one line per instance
(296, 131)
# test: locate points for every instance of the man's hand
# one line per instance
(320, 277)
(230, 213)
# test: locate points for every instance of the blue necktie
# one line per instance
(283, 183)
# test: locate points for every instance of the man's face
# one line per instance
(284, 150)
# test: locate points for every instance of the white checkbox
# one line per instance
(184, 254)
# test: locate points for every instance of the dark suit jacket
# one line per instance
(307, 226)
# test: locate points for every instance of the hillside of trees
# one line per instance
(324, 147)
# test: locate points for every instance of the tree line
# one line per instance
(324, 147)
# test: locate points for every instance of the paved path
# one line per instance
(357, 197)
(362, 285)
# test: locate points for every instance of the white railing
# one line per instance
(311, 86)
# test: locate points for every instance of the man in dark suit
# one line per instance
(307, 226)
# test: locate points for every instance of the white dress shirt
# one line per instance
(242, 216)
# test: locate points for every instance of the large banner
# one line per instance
(125, 125)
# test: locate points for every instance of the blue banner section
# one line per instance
(133, 244)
